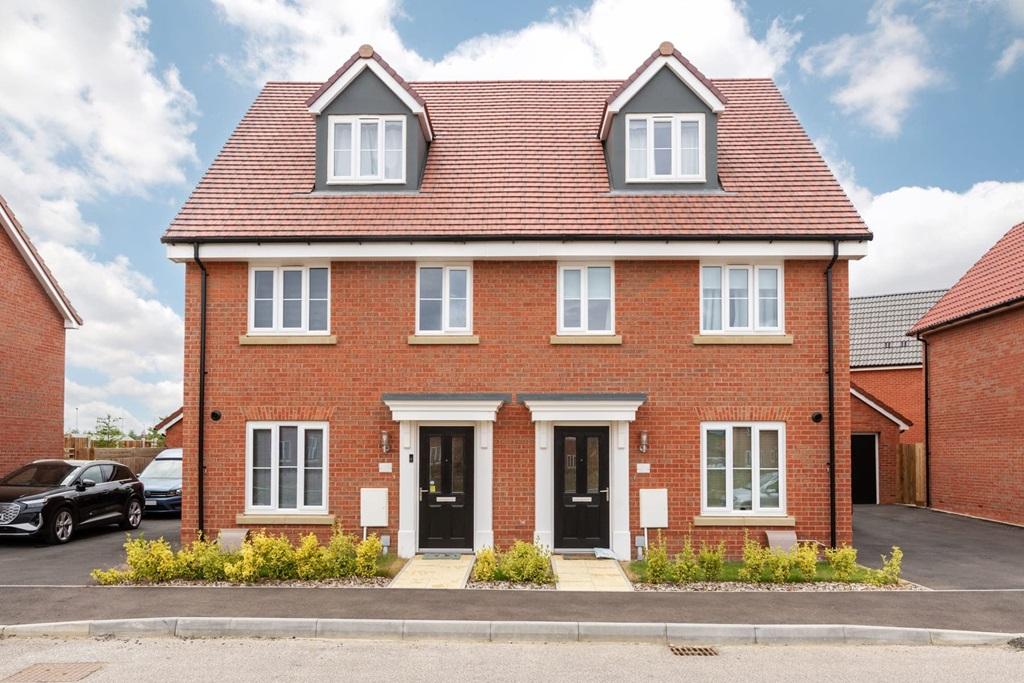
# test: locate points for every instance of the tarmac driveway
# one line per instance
(33, 562)
(940, 550)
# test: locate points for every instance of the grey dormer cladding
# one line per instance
(663, 94)
(367, 95)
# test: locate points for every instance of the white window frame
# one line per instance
(755, 467)
(676, 176)
(753, 325)
(582, 266)
(446, 328)
(274, 427)
(278, 328)
(355, 178)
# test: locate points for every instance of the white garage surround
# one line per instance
(450, 410)
(615, 411)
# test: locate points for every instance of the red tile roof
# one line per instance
(517, 159)
(364, 52)
(44, 270)
(173, 417)
(996, 280)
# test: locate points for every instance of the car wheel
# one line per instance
(132, 515)
(62, 526)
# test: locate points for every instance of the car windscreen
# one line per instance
(162, 469)
(38, 474)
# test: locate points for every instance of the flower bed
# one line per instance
(262, 559)
(524, 565)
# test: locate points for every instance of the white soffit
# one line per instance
(433, 410)
(583, 410)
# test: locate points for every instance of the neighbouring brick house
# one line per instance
(35, 313)
(172, 429)
(463, 313)
(974, 363)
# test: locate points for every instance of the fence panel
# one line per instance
(911, 474)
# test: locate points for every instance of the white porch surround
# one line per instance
(614, 410)
(412, 411)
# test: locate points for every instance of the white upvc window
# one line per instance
(665, 148)
(290, 299)
(741, 298)
(743, 468)
(286, 467)
(586, 298)
(444, 299)
(365, 149)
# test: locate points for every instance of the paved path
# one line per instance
(590, 574)
(425, 571)
(309, 660)
(941, 550)
(978, 611)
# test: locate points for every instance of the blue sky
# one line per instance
(911, 102)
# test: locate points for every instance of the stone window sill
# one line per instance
(743, 520)
(747, 339)
(306, 520)
(286, 339)
(443, 339)
(586, 339)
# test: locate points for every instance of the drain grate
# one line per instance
(60, 672)
(693, 651)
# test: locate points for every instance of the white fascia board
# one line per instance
(685, 75)
(39, 271)
(583, 411)
(163, 430)
(346, 78)
(884, 368)
(434, 411)
(867, 401)
(525, 250)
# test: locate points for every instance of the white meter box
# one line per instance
(373, 507)
(654, 508)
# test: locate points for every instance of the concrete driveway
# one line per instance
(941, 551)
(33, 562)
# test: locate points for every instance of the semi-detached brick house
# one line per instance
(172, 429)
(35, 313)
(974, 370)
(512, 307)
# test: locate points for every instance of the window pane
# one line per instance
(318, 299)
(768, 297)
(638, 148)
(431, 282)
(313, 488)
(287, 488)
(715, 468)
(712, 298)
(318, 316)
(593, 464)
(741, 491)
(571, 313)
(317, 283)
(393, 144)
(263, 299)
(689, 148)
(769, 488)
(570, 464)
(434, 464)
(368, 148)
(261, 487)
(314, 448)
(716, 489)
(457, 313)
(292, 284)
(457, 283)
(292, 295)
(343, 149)
(292, 314)
(741, 447)
(739, 298)
(288, 444)
(264, 280)
(458, 465)
(662, 148)
(263, 314)
(571, 280)
(769, 448)
(599, 282)
(430, 315)
(261, 448)
(288, 460)
(599, 315)
(741, 468)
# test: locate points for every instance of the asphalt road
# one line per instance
(26, 561)
(306, 660)
(941, 550)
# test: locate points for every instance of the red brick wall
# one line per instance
(976, 378)
(867, 420)
(372, 313)
(31, 365)
(901, 389)
(173, 435)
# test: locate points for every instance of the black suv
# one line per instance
(53, 498)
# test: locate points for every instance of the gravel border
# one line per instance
(744, 587)
(509, 586)
(349, 582)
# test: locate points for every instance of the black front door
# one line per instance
(446, 487)
(863, 472)
(581, 487)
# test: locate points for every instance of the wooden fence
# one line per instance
(81, 448)
(910, 473)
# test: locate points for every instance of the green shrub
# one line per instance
(526, 563)
(753, 560)
(111, 577)
(263, 557)
(711, 561)
(843, 561)
(367, 553)
(889, 574)
(486, 565)
(149, 560)
(805, 561)
(659, 567)
(764, 565)
(341, 550)
(312, 560)
(201, 561)
(687, 568)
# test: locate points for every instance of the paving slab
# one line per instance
(589, 574)
(424, 571)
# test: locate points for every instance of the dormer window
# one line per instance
(365, 149)
(665, 148)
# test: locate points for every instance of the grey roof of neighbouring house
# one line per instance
(879, 324)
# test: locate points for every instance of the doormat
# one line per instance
(579, 556)
(441, 556)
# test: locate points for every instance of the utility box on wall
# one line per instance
(373, 507)
(654, 508)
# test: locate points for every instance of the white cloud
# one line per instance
(86, 113)
(309, 39)
(84, 403)
(1013, 53)
(924, 237)
(883, 70)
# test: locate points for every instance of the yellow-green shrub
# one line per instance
(805, 561)
(201, 561)
(312, 560)
(367, 552)
(111, 577)
(659, 567)
(889, 574)
(263, 557)
(686, 568)
(526, 563)
(843, 561)
(764, 565)
(149, 560)
(341, 549)
(711, 561)
(486, 565)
